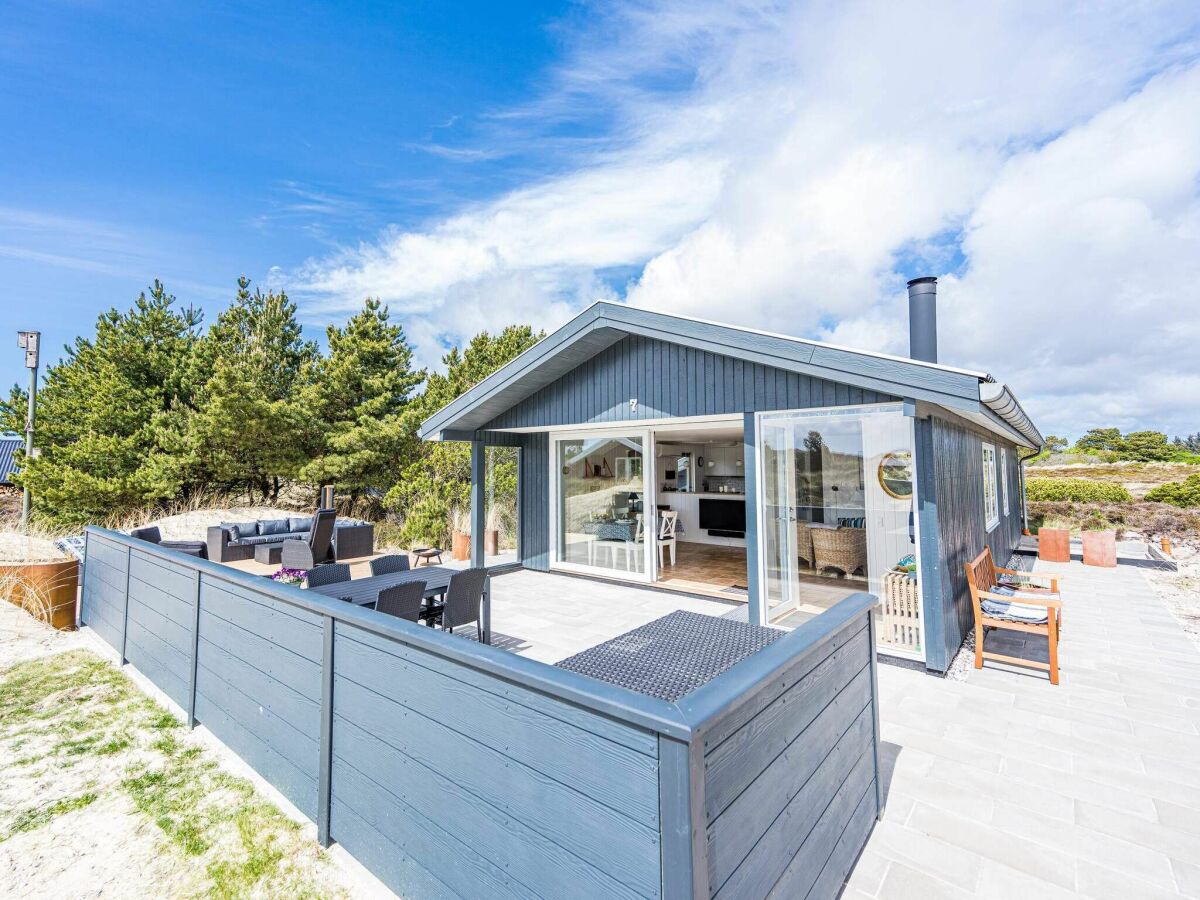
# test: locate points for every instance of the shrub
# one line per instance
(1184, 494)
(1078, 490)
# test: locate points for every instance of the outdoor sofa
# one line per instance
(232, 541)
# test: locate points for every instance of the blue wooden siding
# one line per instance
(670, 381)
(534, 502)
(956, 460)
(528, 805)
(790, 775)
(451, 769)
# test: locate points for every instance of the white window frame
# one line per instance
(1004, 478)
(991, 505)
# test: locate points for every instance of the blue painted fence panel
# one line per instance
(454, 770)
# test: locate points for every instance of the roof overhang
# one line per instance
(603, 324)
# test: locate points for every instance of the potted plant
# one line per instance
(491, 531)
(460, 546)
(295, 577)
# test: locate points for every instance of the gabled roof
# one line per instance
(603, 324)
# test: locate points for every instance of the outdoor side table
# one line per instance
(268, 554)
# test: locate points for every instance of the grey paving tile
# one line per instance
(935, 857)
(1008, 849)
(869, 871)
(1176, 844)
(1001, 882)
(1187, 878)
(1179, 817)
(1080, 788)
(1104, 883)
(905, 883)
(1078, 842)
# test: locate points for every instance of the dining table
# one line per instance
(365, 591)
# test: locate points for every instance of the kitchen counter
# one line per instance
(708, 495)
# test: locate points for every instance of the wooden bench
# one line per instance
(983, 576)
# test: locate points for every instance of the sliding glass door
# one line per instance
(836, 516)
(599, 507)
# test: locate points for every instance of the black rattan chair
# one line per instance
(317, 549)
(402, 600)
(464, 598)
(330, 574)
(386, 565)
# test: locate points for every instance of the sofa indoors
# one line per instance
(232, 541)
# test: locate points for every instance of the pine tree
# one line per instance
(361, 391)
(110, 413)
(438, 481)
(250, 428)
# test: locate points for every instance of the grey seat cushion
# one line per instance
(299, 524)
(274, 526)
(271, 539)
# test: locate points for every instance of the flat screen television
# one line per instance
(723, 515)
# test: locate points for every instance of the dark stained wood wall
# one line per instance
(670, 381)
(962, 527)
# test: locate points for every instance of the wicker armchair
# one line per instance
(844, 549)
(804, 543)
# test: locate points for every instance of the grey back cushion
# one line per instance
(299, 523)
(239, 530)
(273, 526)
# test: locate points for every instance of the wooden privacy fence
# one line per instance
(454, 769)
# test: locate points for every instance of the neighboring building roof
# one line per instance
(8, 448)
(603, 324)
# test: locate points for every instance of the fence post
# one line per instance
(875, 712)
(125, 613)
(83, 576)
(191, 710)
(325, 763)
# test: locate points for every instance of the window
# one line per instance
(1004, 477)
(990, 507)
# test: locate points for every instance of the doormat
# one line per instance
(735, 589)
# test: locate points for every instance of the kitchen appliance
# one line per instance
(685, 475)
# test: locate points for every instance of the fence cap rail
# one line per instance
(737, 685)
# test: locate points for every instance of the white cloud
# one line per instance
(800, 155)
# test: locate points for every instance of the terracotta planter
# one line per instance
(48, 590)
(491, 542)
(1054, 545)
(460, 548)
(1100, 548)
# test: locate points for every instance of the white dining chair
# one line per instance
(667, 521)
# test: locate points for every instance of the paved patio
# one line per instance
(1005, 786)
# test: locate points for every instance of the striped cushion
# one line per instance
(1012, 611)
(859, 522)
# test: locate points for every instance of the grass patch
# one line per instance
(36, 817)
(74, 716)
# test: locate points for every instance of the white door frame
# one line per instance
(647, 438)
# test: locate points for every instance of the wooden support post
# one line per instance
(125, 613)
(758, 605)
(478, 510)
(325, 751)
(873, 637)
(191, 710)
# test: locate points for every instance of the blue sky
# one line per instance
(784, 166)
(197, 143)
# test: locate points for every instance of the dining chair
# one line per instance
(464, 600)
(386, 565)
(667, 522)
(333, 573)
(402, 600)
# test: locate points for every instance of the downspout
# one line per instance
(1021, 480)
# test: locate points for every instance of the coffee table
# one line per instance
(268, 554)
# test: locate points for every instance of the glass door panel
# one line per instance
(601, 504)
(836, 516)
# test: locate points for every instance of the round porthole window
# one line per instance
(896, 475)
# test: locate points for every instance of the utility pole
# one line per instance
(29, 341)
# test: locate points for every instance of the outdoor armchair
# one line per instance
(152, 535)
(464, 599)
(310, 553)
(402, 600)
(329, 574)
(386, 565)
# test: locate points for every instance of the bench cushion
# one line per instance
(1012, 611)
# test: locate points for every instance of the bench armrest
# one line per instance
(1053, 577)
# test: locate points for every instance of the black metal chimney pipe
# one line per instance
(922, 319)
